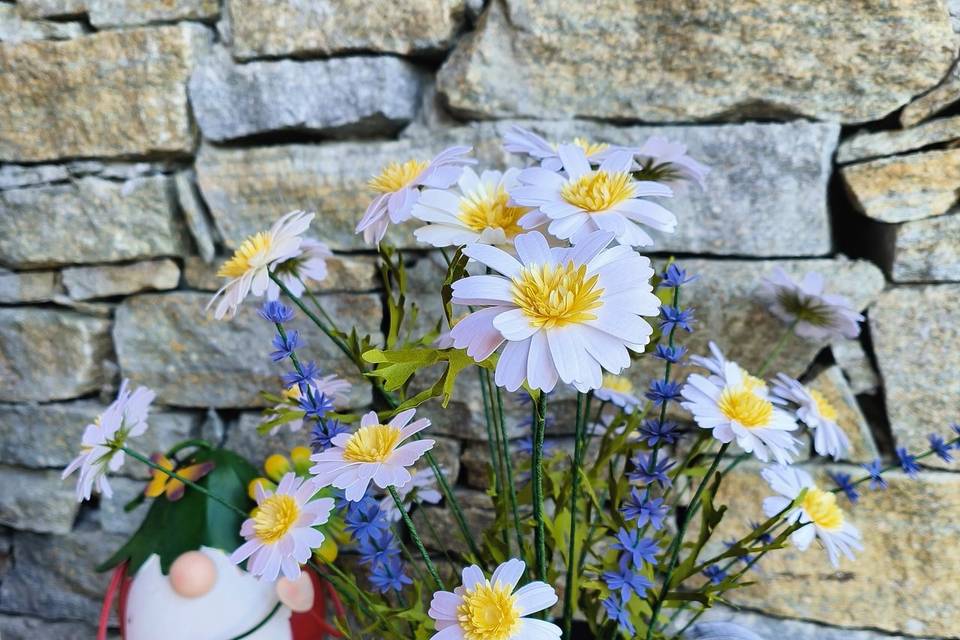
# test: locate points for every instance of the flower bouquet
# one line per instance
(546, 302)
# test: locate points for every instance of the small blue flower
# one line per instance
(638, 549)
(627, 581)
(276, 312)
(875, 468)
(675, 277)
(670, 354)
(377, 548)
(941, 448)
(389, 576)
(364, 520)
(654, 431)
(907, 462)
(324, 432)
(764, 538)
(315, 405)
(617, 612)
(285, 346)
(642, 508)
(644, 475)
(310, 373)
(661, 391)
(715, 573)
(842, 480)
(674, 318)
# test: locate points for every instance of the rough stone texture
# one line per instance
(48, 435)
(193, 212)
(927, 250)
(51, 8)
(344, 273)
(125, 13)
(477, 512)
(247, 189)
(773, 628)
(34, 366)
(29, 286)
(904, 188)
(934, 101)
(86, 283)
(57, 92)
(856, 366)
(868, 145)
(36, 501)
(51, 575)
(893, 584)
(322, 27)
(13, 175)
(914, 329)
(111, 515)
(664, 61)
(14, 28)
(192, 360)
(89, 220)
(29, 628)
(340, 97)
(836, 390)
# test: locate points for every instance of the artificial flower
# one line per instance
(525, 142)
(818, 511)
(674, 277)
(280, 533)
(398, 186)
(644, 474)
(715, 574)
(875, 469)
(372, 452)
(564, 313)
(420, 489)
(276, 312)
(161, 483)
(627, 581)
(326, 393)
(481, 609)
(364, 520)
(323, 433)
(815, 411)
(248, 270)
(583, 200)
(908, 462)
(618, 612)
(101, 446)
(736, 409)
(668, 161)
(389, 576)
(654, 431)
(479, 211)
(636, 548)
(618, 391)
(640, 506)
(309, 263)
(842, 480)
(939, 447)
(815, 314)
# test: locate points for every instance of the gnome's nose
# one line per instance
(193, 574)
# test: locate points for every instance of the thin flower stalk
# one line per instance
(539, 421)
(578, 442)
(416, 538)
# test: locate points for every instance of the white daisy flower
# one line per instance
(819, 316)
(662, 156)
(735, 408)
(818, 508)
(421, 488)
(399, 188)
(717, 363)
(100, 446)
(248, 268)
(310, 263)
(582, 199)
(565, 313)
(331, 386)
(618, 391)
(372, 452)
(525, 142)
(817, 413)
(479, 211)
(481, 609)
(280, 534)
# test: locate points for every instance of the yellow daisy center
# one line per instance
(822, 508)
(371, 444)
(618, 384)
(275, 517)
(251, 254)
(488, 612)
(485, 210)
(752, 382)
(824, 408)
(554, 296)
(588, 147)
(597, 191)
(742, 405)
(396, 176)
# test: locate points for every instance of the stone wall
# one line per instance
(141, 140)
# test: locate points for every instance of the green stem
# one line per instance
(896, 465)
(508, 465)
(416, 539)
(777, 348)
(497, 459)
(316, 302)
(317, 321)
(540, 409)
(190, 483)
(578, 442)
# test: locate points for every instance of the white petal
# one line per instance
(535, 596)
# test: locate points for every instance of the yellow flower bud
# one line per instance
(276, 466)
(301, 459)
(263, 482)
